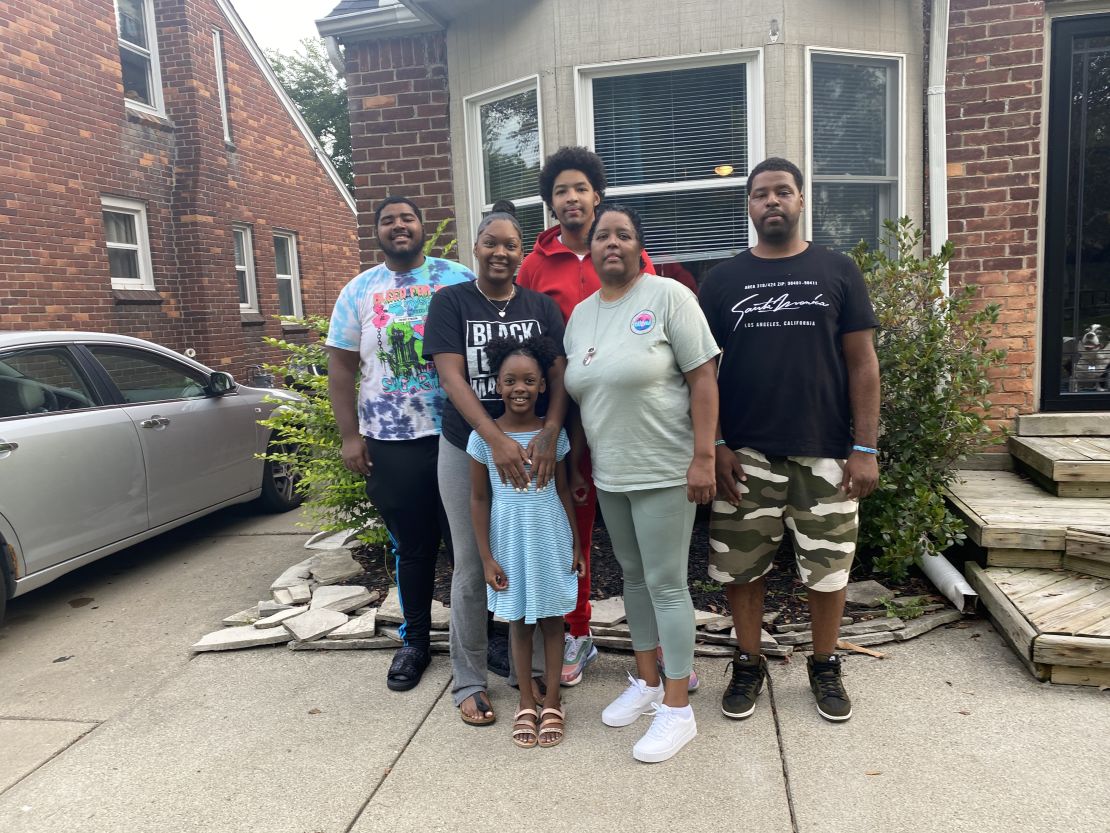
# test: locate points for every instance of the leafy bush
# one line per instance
(933, 360)
(335, 497)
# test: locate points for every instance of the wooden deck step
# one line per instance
(1063, 425)
(1018, 524)
(1087, 550)
(1057, 621)
(1066, 466)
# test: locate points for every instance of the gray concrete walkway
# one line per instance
(131, 734)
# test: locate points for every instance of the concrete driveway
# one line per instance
(108, 724)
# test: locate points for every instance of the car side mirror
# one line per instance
(220, 383)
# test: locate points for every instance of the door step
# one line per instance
(1066, 466)
(1063, 425)
(1020, 525)
(1056, 621)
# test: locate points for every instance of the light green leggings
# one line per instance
(650, 530)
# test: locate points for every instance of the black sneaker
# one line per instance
(408, 666)
(824, 680)
(497, 654)
(748, 675)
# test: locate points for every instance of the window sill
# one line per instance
(137, 296)
(142, 117)
(290, 327)
(248, 317)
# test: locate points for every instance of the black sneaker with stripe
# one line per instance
(747, 680)
(828, 689)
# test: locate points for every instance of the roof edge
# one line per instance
(291, 108)
(402, 18)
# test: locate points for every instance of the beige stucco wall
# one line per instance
(507, 40)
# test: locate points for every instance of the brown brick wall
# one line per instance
(66, 139)
(994, 100)
(400, 130)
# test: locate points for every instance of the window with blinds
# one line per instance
(507, 128)
(676, 147)
(855, 148)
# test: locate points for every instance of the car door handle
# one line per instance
(155, 422)
(7, 447)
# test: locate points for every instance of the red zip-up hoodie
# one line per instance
(555, 270)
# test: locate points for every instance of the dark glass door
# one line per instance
(1075, 374)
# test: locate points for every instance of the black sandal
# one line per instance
(481, 702)
(407, 668)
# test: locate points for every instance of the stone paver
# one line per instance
(275, 619)
(607, 612)
(314, 624)
(341, 599)
(359, 627)
(244, 636)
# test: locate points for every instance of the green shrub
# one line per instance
(335, 498)
(933, 360)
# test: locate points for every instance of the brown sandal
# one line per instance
(524, 727)
(481, 702)
(553, 725)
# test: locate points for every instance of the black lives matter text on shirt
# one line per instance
(779, 322)
(463, 322)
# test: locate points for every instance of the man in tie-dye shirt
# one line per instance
(391, 432)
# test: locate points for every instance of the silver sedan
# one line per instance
(107, 440)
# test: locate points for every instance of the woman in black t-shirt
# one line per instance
(461, 320)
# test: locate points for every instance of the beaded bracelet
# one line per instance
(719, 442)
(865, 449)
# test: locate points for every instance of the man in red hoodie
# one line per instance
(572, 184)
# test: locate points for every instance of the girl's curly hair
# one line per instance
(541, 348)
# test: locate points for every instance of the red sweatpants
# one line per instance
(579, 619)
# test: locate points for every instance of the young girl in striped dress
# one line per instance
(526, 538)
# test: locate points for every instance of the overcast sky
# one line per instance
(281, 24)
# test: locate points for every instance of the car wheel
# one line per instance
(279, 484)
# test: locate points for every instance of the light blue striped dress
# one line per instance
(530, 537)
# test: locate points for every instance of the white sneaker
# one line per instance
(638, 699)
(669, 732)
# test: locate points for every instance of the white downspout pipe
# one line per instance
(937, 568)
(937, 129)
(335, 56)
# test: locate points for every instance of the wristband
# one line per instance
(719, 442)
(865, 449)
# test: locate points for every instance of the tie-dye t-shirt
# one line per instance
(381, 315)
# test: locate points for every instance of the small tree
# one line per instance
(933, 360)
(308, 440)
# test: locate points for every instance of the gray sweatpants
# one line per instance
(469, 611)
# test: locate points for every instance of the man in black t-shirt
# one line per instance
(799, 419)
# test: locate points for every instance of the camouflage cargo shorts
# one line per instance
(801, 494)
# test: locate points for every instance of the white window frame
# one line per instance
(294, 277)
(898, 145)
(158, 104)
(584, 75)
(476, 170)
(221, 81)
(251, 304)
(137, 210)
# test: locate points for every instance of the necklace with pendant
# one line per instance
(502, 309)
(591, 351)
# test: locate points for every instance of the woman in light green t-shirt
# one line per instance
(640, 365)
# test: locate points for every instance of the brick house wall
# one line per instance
(400, 130)
(67, 139)
(994, 110)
